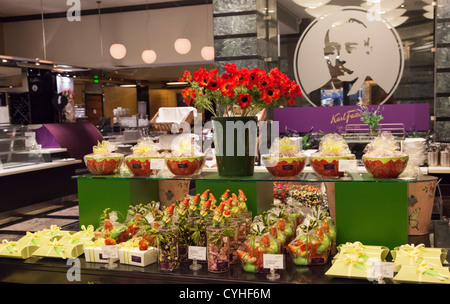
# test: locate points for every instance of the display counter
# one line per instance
(58, 271)
(365, 209)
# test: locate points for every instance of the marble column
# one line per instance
(442, 64)
(246, 33)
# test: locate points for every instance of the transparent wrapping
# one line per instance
(103, 160)
(284, 158)
(143, 159)
(186, 158)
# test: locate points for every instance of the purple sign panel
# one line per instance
(396, 117)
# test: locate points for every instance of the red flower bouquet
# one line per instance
(239, 92)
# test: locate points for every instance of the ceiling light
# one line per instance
(182, 46)
(311, 3)
(322, 10)
(149, 56)
(207, 52)
(118, 51)
(177, 83)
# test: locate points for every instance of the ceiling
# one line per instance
(292, 11)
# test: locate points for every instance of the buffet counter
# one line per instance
(44, 270)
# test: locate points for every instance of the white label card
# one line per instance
(110, 251)
(157, 163)
(382, 269)
(197, 253)
(273, 261)
(348, 165)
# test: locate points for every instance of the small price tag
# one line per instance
(348, 165)
(110, 251)
(273, 261)
(197, 253)
(157, 163)
(382, 269)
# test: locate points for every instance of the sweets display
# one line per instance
(103, 160)
(332, 148)
(314, 240)
(186, 158)
(144, 157)
(382, 157)
(284, 158)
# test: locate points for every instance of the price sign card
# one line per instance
(157, 163)
(110, 252)
(197, 253)
(273, 261)
(382, 269)
(348, 165)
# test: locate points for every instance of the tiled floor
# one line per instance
(63, 213)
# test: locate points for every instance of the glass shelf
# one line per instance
(259, 177)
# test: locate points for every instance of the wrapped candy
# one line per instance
(314, 240)
(219, 235)
(140, 162)
(168, 236)
(252, 251)
(103, 160)
(332, 148)
(284, 158)
(110, 229)
(186, 158)
(382, 157)
(307, 195)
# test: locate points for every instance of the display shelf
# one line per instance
(257, 176)
(57, 271)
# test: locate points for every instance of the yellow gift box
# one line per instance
(408, 255)
(87, 233)
(376, 252)
(93, 252)
(35, 239)
(355, 260)
(56, 249)
(55, 231)
(423, 272)
(75, 239)
(10, 249)
(130, 254)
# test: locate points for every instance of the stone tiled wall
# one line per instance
(245, 32)
(442, 63)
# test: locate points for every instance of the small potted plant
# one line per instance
(371, 118)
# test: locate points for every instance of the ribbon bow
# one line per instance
(10, 245)
(104, 147)
(356, 248)
(130, 244)
(58, 247)
(333, 146)
(425, 267)
(412, 251)
(34, 235)
(89, 229)
(287, 147)
(142, 147)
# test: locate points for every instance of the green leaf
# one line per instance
(360, 267)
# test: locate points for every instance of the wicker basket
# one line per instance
(167, 126)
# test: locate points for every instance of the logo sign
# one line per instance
(344, 53)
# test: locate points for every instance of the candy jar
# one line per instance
(219, 235)
(168, 258)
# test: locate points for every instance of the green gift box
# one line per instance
(344, 269)
(76, 238)
(13, 250)
(55, 231)
(57, 249)
(409, 255)
(35, 239)
(423, 273)
(376, 252)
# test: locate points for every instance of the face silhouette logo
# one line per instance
(346, 47)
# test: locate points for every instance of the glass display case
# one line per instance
(18, 147)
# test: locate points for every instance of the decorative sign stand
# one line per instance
(196, 253)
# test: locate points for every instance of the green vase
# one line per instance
(235, 145)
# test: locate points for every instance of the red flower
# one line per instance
(243, 100)
(231, 67)
(186, 76)
(213, 85)
(188, 96)
(264, 82)
(227, 87)
(203, 77)
(270, 94)
(295, 90)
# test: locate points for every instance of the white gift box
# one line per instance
(95, 254)
(136, 257)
